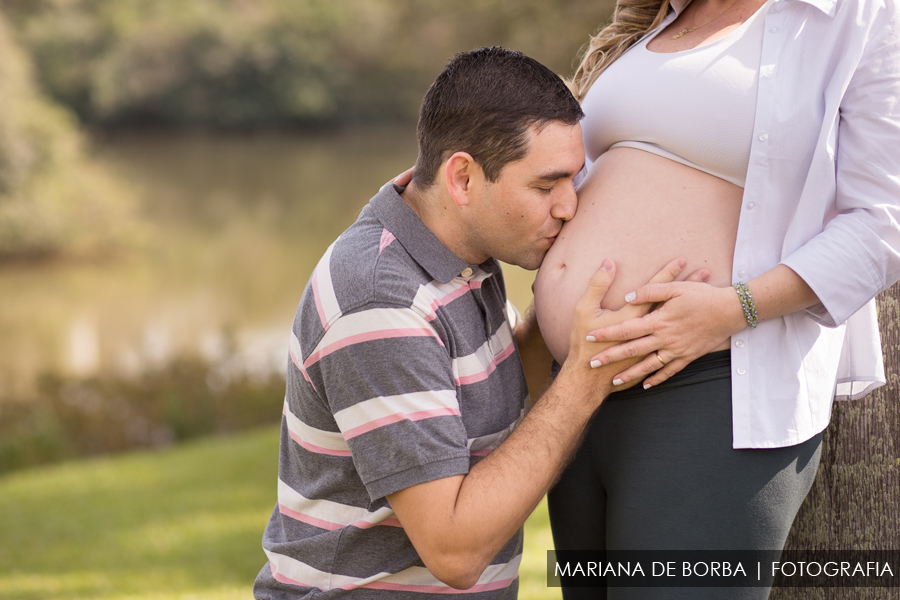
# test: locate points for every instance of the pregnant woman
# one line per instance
(759, 140)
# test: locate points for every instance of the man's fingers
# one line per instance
(599, 284)
(670, 271)
(699, 276)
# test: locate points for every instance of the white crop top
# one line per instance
(695, 107)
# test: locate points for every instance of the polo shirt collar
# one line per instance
(418, 240)
(826, 6)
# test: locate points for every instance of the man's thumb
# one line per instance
(600, 282)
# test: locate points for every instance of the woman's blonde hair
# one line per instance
(631, 20)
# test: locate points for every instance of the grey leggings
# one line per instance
(657, 471)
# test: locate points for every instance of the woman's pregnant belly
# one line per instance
(641, 211)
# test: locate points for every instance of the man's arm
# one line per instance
(458, 524)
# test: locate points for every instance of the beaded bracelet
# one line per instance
(743, 290)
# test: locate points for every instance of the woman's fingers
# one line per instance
(651, 365)
(653, 292)
(638, 371)
(627, 330)
(404, 178)
(642, 346)
(666, 372)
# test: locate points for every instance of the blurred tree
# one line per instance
(52, 199)
(855, 500)
(245, 63)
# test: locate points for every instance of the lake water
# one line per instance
(233, 227)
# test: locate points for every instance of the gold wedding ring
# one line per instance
(660, 360)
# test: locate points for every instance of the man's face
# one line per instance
(519, 216)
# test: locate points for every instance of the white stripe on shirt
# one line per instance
(413, 579)
(314, 440)
(369, 325)
(481, 363)
(384, 410)
(329, 515)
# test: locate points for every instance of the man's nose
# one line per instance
(564, 209)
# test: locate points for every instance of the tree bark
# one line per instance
(855, 501)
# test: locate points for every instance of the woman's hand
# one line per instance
(629, 313)
(404, 178)
(694, 319)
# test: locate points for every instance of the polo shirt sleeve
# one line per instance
(858, 253)
(387, 375)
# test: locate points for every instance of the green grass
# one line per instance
(183, 523)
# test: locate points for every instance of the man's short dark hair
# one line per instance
(483, 103)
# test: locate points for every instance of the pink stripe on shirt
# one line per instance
(434, 589)
(386, 238)
(323, 524)
(450, 297)
(396, 417)
(481, 376)
(317, 449)
(381, 334)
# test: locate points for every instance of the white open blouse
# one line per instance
(822, 196)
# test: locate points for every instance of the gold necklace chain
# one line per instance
(688, 30)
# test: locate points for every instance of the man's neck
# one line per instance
(442, 216)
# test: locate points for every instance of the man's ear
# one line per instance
(463, 176)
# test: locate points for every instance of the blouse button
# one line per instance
(741, 371)
(739, 343)
(467, 272)
(774, 30)
(751, 205)
(742, 273)
(763, 137)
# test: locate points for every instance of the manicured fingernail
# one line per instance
(682, 264)
(591, 338)
(630, 296)
(617, 381)
(647, 386)
(595, 364)
(606, 265)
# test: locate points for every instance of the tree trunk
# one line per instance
(855, 500)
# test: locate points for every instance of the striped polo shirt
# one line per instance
(403, 370)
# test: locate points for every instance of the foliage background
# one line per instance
(251, 63)
(218, 64)
(51, 196)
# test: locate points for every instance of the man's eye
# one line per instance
(546, 190)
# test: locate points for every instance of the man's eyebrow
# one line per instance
(557, 175)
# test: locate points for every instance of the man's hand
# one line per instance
(589, 317)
